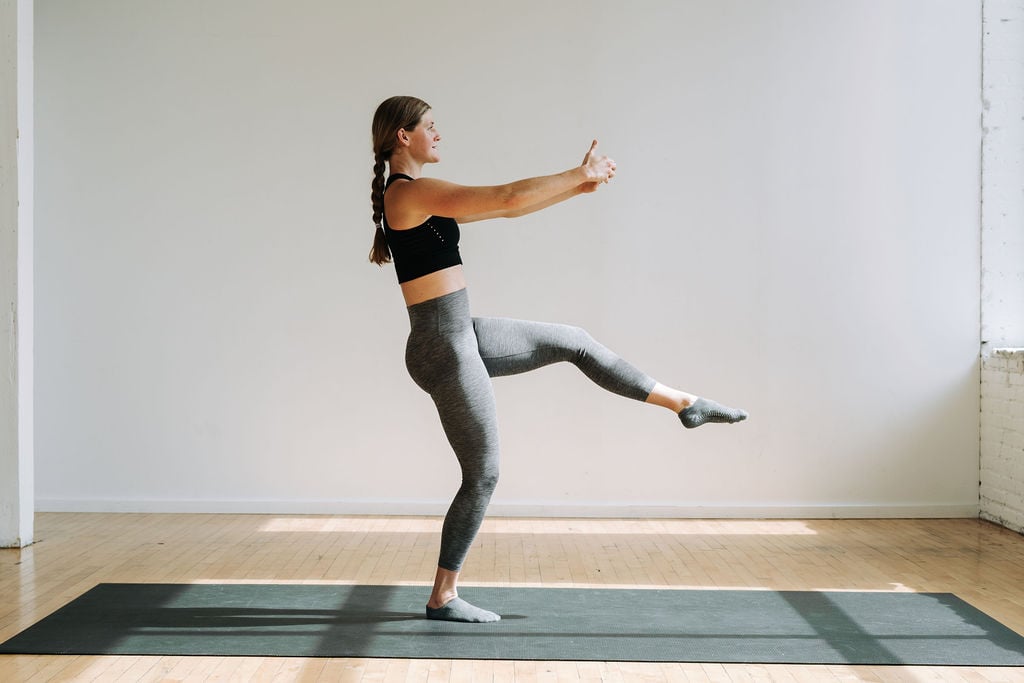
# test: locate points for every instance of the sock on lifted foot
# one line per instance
(704, 410)
(458, 609)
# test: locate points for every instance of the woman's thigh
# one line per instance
(450, 370)
(508, 346)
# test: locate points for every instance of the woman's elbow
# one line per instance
(511, 199)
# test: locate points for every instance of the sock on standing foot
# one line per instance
(458, 609)
(703, 411)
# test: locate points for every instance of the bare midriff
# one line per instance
(433, 285)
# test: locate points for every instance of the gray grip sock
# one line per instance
(458, 609)
(704, 410)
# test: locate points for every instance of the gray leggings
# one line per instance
(452, 357)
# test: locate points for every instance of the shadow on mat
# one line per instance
(230, 617)
(844, 633)
(835, 627)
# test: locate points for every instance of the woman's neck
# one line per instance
(405, 167)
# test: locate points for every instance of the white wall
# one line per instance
(794, 229)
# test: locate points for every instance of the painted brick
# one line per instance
(1002, 438)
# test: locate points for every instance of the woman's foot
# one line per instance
(458, 609)
(702, 411)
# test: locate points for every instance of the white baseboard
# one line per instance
(523, 509)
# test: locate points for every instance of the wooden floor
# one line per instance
(980, 562)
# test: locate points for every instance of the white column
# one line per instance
(1002, 264)
(1002, 186)
(16, 215)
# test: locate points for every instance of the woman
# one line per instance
(450, 354)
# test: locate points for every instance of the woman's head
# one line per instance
(393, 115)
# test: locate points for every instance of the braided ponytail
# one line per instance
(379, 253)
(393, 114)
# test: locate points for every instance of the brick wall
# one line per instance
(1002, 438)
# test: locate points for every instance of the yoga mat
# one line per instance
(537, 624)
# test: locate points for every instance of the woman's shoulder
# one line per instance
(397, 176)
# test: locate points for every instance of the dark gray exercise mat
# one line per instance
(537, 624)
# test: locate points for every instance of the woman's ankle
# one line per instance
(445, 590)
(439, 601)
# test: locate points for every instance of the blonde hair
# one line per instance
(392, 115)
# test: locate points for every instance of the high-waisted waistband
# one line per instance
(448, 311)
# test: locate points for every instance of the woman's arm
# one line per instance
(410, 203)
(579, 189)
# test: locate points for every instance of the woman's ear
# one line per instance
(403, 137)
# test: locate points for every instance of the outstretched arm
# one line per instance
(579, 189)
(582, 188)
(412, 202)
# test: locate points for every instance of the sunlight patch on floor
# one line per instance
(671, 527)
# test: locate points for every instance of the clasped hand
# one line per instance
(599, 167)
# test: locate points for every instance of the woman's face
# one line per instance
(423, 140)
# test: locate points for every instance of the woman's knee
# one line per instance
(577, 342)
(482, 481)
(585, 339)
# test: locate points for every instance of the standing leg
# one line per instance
(442, 358)
(465, 404)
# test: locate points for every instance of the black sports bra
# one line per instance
(425, 249)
